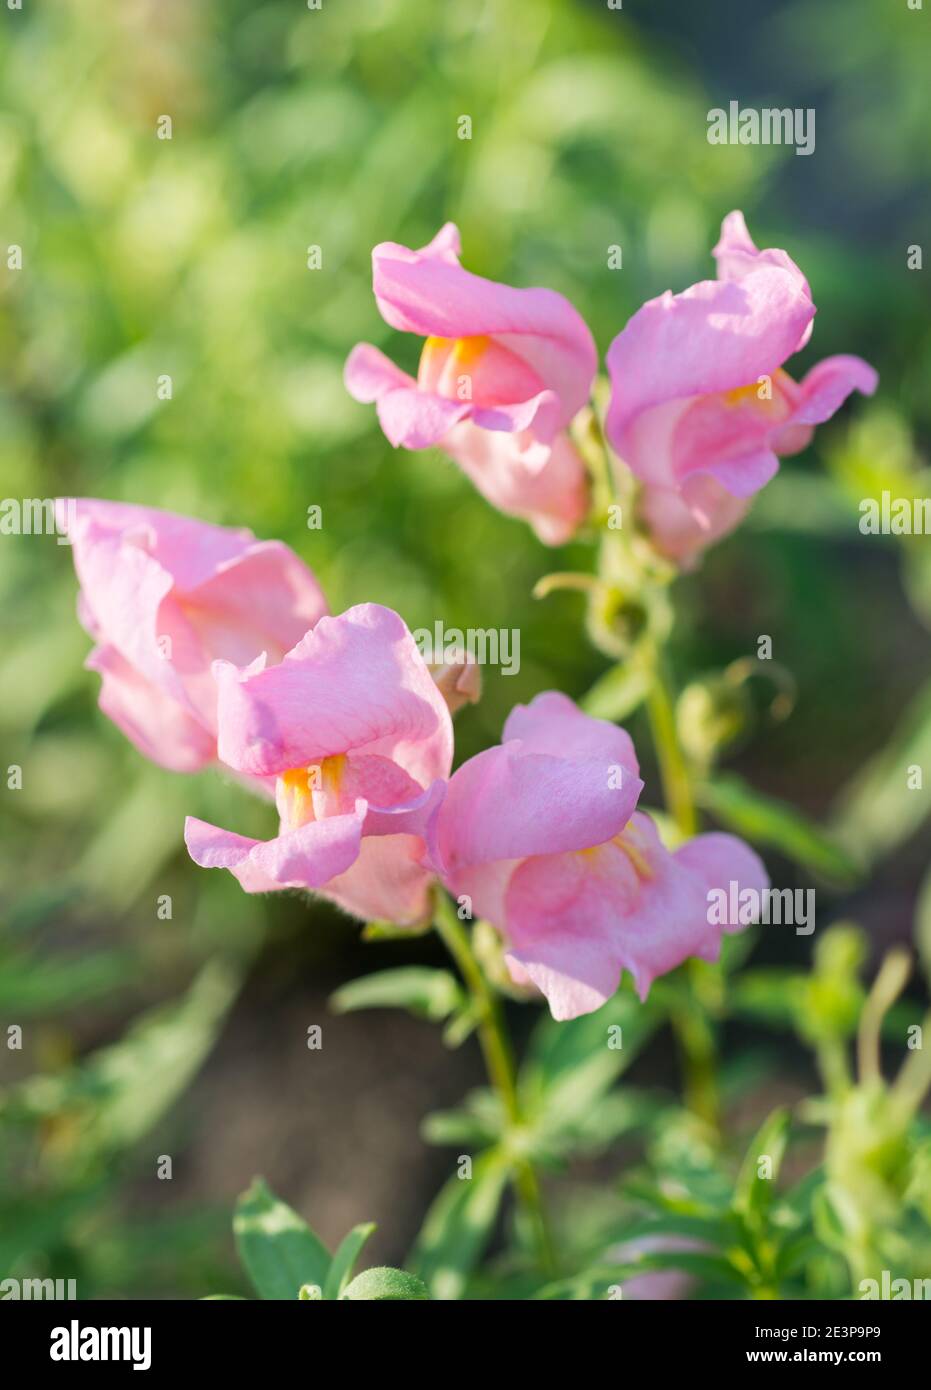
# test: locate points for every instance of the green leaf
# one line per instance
(115, 1096)
(879, 811)
(923, 926)
(587, 1286)
(617, 693)
(347, 1253)
(462, 1024)
(458, 1226)
(33, 984)
(432, 994)
(771, 994)
(383, 1284)
(570, 1066)
(278, 1248)
(477, 1123)
(776, 825)
(753, 1194)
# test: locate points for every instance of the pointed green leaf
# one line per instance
(570, 1066)
(278, 1248)
(618, 692)
(923, 926)
(458, 1226)
(776, 825)
(347, 1253)
(879, 811)
(753, 1194)
(432, 994)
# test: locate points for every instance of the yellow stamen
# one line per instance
(298, 784)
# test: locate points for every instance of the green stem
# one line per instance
(691, 1022)
(499, 1062)
(691, 1019)
(673, 770)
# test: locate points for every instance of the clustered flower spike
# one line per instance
(215, 647)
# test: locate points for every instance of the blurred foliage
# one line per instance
(142, 257)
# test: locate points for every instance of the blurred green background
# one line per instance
(141, 257)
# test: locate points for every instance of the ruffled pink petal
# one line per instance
(170, 594)
(741, 475)
(356, 683)
(162, 729)
(541, 417)
(369, 374)
(562, 915)
(717, 336)
(410, 417)
(548, 487)
(493, 374)
(825, 388)
(737, 255)
(307, 857)
(446, 245)
(670, 922)
(682, 531)
(430, 294)
(512, 801)
(265, 599)
(397, 804)
(717, 860)
(188, 549)
(552, 723)
(575, 921)
(125, 592)
(731, 436)
(387, 882)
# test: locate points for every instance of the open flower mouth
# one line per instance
(305, 794)
(476, 369)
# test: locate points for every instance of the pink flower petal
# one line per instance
(307, 857)
(825, 388)
(517, 800)
(356, 683)
(717, 336)
(548, 487)
(161, 728)
(422, 292)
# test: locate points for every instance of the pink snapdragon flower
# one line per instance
(542, 834)
(163, 596)
(502, 373)
(358, 738)
(701, 408)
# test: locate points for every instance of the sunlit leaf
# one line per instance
(347, 1252)
(458, 1226)
(776, 825)
(277, 1247)
(432, 994)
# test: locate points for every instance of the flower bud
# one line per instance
(458, 680)
(711, 715)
